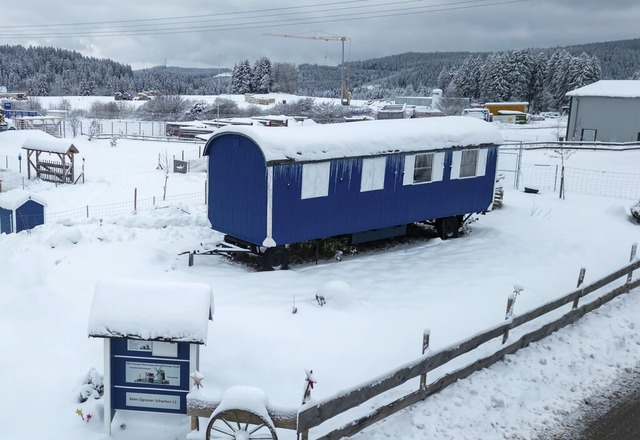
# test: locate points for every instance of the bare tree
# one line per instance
(163, 164)
(74, 120)
(563, 154)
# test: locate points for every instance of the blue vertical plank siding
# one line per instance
(255, 190)
(237, 188)
(346, 210)
(29, 215)
(6, 216)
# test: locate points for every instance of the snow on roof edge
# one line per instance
(53, 145)
(151, 310)
(366, 138)
(609, 88)
(12, 200)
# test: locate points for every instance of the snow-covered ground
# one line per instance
(372, 324)
(84, 102)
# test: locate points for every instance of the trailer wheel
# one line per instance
(275, 258)
(447, 227)
(234, 424)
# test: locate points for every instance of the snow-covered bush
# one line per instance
(93, 386)
(635, 211)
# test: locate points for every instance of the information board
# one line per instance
(149, 375)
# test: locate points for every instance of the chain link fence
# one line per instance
(518, 173)
(114, 210)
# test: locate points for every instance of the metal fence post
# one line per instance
(519, 166)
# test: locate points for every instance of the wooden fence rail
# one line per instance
(312, 416)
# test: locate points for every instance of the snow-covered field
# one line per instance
(455, 288)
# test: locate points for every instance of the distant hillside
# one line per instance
(51, 71)
(420, 70)
(619, 60)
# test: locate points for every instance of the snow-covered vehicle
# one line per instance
(477, 112)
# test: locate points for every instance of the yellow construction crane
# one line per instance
(346, 98)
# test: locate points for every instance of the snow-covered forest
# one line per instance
(539, 76)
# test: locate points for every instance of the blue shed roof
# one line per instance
(367, 138)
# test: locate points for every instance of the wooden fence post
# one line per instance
(632, 257)
(309, 381)
(135, 199)
(511, 301)
(425, 346)
(580, 280)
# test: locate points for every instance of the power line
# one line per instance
(288, 8)
(261, 23)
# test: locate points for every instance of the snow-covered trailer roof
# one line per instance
(12, 200)
(151, 310)
(371, 138)
(50, 145)
(610, 89)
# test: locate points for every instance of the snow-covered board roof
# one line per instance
(151, 310)
(52, 144)
(329, 141)
(12, 200)
(609, 88)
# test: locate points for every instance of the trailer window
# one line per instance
(373, 170)
(315, 180)
(468, 163)
(423, 168)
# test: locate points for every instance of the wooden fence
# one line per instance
(324, 410)
(312, 416)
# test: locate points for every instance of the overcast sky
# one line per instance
(206, 33)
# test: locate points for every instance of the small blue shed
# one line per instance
(20, 211)
(269, 187)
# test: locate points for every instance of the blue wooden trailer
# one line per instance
(271, 187)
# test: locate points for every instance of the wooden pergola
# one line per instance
(58, 163)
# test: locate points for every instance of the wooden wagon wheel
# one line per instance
(237, 424)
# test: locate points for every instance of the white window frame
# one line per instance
(315, 180)
(481, 164)
(437, 169)
(373, 172)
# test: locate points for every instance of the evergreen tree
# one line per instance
(536, 93)
(262, 76)
(241, 78)
(445, 77)
(519, 70)
(495, 84)
(467, 78)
